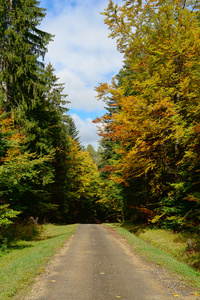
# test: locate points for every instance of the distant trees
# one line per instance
(152, 122)
(95, 155)
(83, 186)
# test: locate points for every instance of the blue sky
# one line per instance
(83, 56)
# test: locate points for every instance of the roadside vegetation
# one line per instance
(147, 168)
(166, 248)
(21, 260)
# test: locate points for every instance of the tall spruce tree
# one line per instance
(57, 137)
(21, 45)
(23, 90)
(71, 128)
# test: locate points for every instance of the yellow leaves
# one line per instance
(12, 137)
(6, 122)
(157, 218)
(157, 93)
(102, 90)
(11, 154)
(15, 164)
(83, 173)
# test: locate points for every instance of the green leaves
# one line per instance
(6, 215)
(157, 101)
(22, 43)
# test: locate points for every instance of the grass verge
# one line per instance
(162, 258)
(24, 260)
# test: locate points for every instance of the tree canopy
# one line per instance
(43, 170)
(153, 124)
(147, 167)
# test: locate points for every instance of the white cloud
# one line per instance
(82, 55)
(87, 131)
(80, 95)
(81, 52)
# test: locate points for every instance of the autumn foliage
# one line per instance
(148, 165)
(153, 110)
(44, 171)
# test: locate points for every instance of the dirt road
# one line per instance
(97, 265)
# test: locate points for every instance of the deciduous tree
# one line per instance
(156, 124)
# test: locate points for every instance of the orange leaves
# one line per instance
(97, 120)
(11, 154)
(197, 128)
(192, 198)
(14, 138)
(144, 210)
(155, 100)
(6, 123)
(107, 168)
(151, 129)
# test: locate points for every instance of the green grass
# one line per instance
(26, 259)
(174, 243)
(162, 240)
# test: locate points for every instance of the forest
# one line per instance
(147, 167)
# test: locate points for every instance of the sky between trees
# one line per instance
(83, 56)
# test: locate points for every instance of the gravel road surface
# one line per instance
(97, 264)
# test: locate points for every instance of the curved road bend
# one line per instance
(95, 265)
